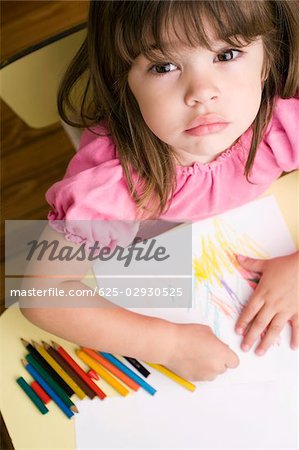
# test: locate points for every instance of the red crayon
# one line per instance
(78, 370)
(40, 392)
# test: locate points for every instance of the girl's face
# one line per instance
(202, 101)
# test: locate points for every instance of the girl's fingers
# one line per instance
(232, 359)
(249, 312)
(272, 333)
(295, 332)
(257, 326)
(251, 264)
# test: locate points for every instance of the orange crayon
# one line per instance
(114, 370)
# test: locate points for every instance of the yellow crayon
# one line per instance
(102, 372)
(173, 376)
(43, 352)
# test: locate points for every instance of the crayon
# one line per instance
(32, 395)
(40, 392)
(113, 369)
(173, 376)
(147, 387)
(102, 372)
(68, 412)
(79, 370)
(52, 383)
(78, 391)
(138, 366)
(68, 369)
(92, 374)
(47, 367)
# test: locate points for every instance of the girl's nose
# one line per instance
(201, 91)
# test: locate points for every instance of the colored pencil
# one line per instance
(173, 376)
(113, 369)
(40, 392)
(147, 387)
(52, 383)
(68, 369)
(92, 374)
(47, 367)
(32, 395)
(79, 370)
(78, 391)
(102, 372)
(68, 412)
(138, 366)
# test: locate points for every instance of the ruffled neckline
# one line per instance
(228, 154)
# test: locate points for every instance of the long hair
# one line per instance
(95, 86)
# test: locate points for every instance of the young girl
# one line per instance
(192, 110)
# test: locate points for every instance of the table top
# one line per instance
(28, 428)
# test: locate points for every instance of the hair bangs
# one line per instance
(160, 26)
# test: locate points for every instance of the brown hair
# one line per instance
(118, 31)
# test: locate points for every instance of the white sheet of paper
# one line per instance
(257, 415)
(253, 406)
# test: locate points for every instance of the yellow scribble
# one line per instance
(218, 251)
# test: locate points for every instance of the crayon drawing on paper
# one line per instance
(221, 286)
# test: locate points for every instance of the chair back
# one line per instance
(29, 82)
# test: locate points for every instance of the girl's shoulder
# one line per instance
(96, 147)
(285, 113)
(93, 191)
(282, 134)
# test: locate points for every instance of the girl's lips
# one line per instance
(207, 128)
(206, 124)
(206, 119)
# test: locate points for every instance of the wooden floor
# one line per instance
(32, 160)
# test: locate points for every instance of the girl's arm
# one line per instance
(106, 327)
(89, 320)
(191, 350)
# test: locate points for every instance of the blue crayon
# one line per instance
(48, 390)
(147, 387)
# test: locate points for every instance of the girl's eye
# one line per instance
(163, 68)
(228, 55)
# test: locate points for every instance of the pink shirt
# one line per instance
(94, 186)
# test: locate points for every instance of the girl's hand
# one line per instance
(274, 302)
(199, 354)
